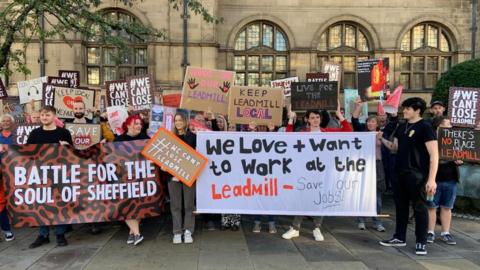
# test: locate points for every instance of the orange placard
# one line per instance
(175, 156)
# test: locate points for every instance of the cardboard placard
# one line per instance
(59, 81)
(31, 90)
(73, 75)
(175, 156)
(262, 105)
(12, 106)
(116, 116)
(317, 77)
(463, 106)
(314, 96)
(172, 100)
(63, 99)
(3, 90)
(48, 94)
(459, 144)
(285, 84)
(22, 131)
(84, 135)
(140, 93)
(333, 70)
(117, 93)
(373, 78)
(49, 184)
(206, 89)
(349, 97)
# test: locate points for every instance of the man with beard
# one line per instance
(79, 113)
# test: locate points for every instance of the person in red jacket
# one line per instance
(314, 119)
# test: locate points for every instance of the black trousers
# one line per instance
(409, 189)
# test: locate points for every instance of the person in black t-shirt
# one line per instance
(447, 179)
(416, 169)
(49, 133)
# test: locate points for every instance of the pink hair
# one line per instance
(131, 119)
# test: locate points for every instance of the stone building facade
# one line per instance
(270, 39)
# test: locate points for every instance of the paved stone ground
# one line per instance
(344, 247)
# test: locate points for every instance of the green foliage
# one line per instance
(465, 74)
(20, 23)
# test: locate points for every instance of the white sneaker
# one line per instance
(291, 234)
(188, 237)
(257, 227)
(361, 226)
(317, 234)
(177, 238)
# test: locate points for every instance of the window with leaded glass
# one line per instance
(344, 43)
(426, 55)
(106, 63)
(261, 54)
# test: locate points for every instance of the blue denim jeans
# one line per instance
(259, 218)
(4, 221)
(376, 221)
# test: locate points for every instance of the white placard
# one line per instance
(313, 174)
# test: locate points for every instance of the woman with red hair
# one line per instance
(132, 130)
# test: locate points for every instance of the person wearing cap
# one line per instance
(437, 108)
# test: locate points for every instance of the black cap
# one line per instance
(436, 102)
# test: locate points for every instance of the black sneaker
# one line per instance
(448, 239)
(39, 241)
(420, 249)
(394, 242)
(138, 239)
(61, 241)
(430, 238)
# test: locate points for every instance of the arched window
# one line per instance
(261, 54)
(426, 54)
(345, 43)
(106, 63)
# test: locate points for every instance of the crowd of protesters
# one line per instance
(407, 164)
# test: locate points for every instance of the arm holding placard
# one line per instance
(432, 147)
(292, 116)
(392, 146)
(345, 126)
(357, 126)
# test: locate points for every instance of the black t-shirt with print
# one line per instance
(41, 136)
(412, 152)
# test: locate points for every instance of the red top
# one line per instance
(3, 201)
(345, 128)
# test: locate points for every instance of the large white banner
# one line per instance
(313, 174)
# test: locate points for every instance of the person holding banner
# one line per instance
(132, 130)
(178, 190)
(314, 119)
(231, 221)
(49, 133)
(416, 169)
(372, 126)
(447, 178)
(6, 124)
(257, 222)
(6, 138)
